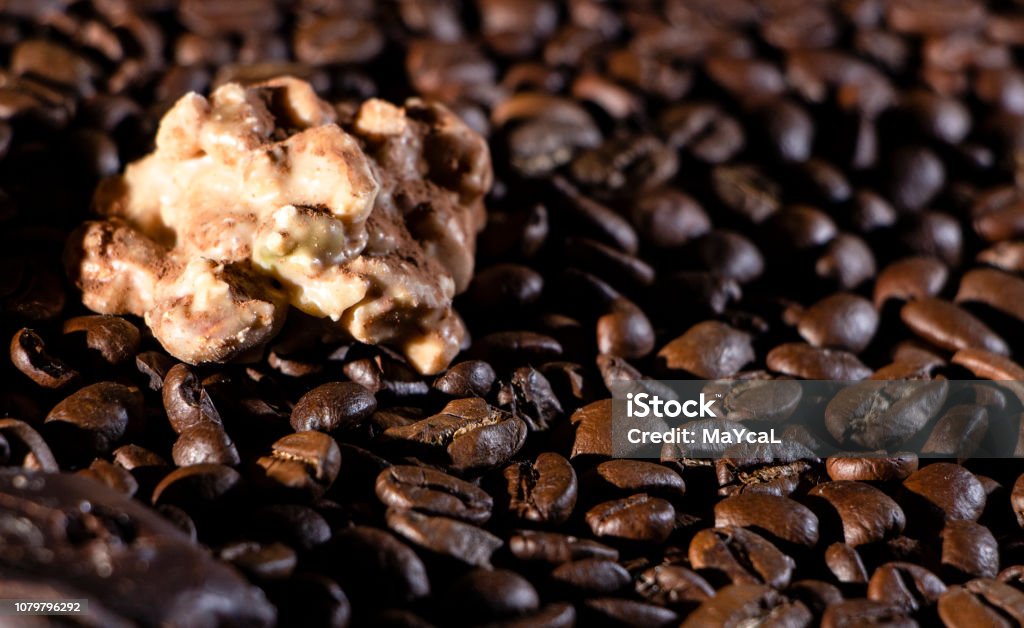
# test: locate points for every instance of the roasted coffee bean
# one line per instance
(756, 399)
(625, 331)
(866, 514)
(543, 491)
(871, 468)
(476, 436)
(746, 191)
(485, 594)
(29, 355)
(731, 255)
(619, 268)
(96, 416)
(111, 475)
(711, 350)
(312, 600)
(591, 576)
(932, 233)
(334, 406)
(996, 289)
(946, 492)
(472, 378)
(185, 400)
(593, 429)
(336, 39)
(308, 462)
(551, 547)
(802, 227)
(673, 586)
(969, 548)
(883, 415)
(998, 214)
(518, 346)
(779, 517)
(981, 602)
(910, 278)
(299, 526)
(865, 612)
(505, 286)
(667, 218)
(906, 585)
(373, 565)
(637, 476)
(219, 18)
(739, 604)
(133, 457)
(530, 395)
(807, 362)
(624, 611)
(950, 327)
(847, 261)
(25, 447)
(637, 518)
(916, 176)
(704, 130)
(789, 129)
(958, 432)
(274, 561)
(196, 485)
(433, 493)
(204, 443)
(154, 365)
(461, 541)
(845, 564)
(741, 556)
(843, 321)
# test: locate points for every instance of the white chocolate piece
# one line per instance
(373, 228)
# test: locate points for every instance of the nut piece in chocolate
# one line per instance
(257, 199)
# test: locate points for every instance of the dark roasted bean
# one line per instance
(333, 406)
(740, 604)
(845, 564)
(741, 556)
(204, 443)
(950, 327)
(449, 537)
(29, 355)
(910, 278)
(981, 602)
(780, 517)
(843, 321)
(96, 416)
(883, 415)
(710, 350)
(866, 514)
(185, 400)
(372, 564)
(592, 576)
(946, 492)
(485, 594)
(906, 585)
(557, 548)
(434, 493)
(637, 518)
(969, 548)
(307, 461)
(543, 491)
(865, 612)
(807, 362)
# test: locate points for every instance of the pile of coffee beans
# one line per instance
(683, 188)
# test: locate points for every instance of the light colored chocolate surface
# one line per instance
(256, 199)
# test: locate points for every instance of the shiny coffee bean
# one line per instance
(434, 493)
(544, 491)
(331, 407)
